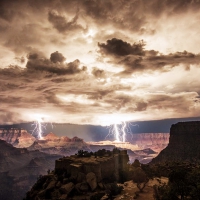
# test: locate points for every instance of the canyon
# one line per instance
(23, 157)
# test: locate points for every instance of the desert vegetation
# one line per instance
(183, 184)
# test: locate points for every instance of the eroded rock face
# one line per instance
(18, 137)
(91, 180)
(20, 168)
(103, 167)
(67, 188)
(184, 143)
(24, 140)
(155, 141)
(74, 178)
(82, 187)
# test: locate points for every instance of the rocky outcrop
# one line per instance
(184, 143)
(64, 146)
(91, 180)
(51, 137)
(24, 140)
(20, 169)
(83, 177)
(17, 137)
(103, 167)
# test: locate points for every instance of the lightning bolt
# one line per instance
(117, 134)
(120, 131)
(123, 131)
(38, 128)
(39, 124)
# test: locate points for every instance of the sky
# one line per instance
(99, 62)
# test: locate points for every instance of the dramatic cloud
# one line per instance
(135, 58)
(57, 57)
(60, 23)
(54, 65)
(118, 47)
(97, 61)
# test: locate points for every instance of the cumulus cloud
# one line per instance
(54, 64)
(118, 47)
(135, 58)
(57, 57)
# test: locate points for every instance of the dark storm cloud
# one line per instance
(135, 58)
(9, 117)
(60, 23)
(20, 59)
(118, 47)
(53, 65)
(165, 101)
(134, 14)
(158, 101)
(33, 17)
(57, 57)
(7, 15)
(48, 85)
(159, 62)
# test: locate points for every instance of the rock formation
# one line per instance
(83, 177)
(155, 141)
(184, 143)
(19, 169)
(53, 144)
(103, 166)
(17, 137)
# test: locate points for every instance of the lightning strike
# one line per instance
(40, 124)
(124, 132)
(117, 134)
(120, 131)
(38, 128)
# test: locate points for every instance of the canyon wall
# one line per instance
(17, 137)
(155, 141)
(184, 143)
(22, 139)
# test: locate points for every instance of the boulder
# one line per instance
(105, 197)
(63, 197)
(42, 193)
(82, 187)
(65, 180)
(51, 185)
(81, 177)
(91, 180)
(101, 186)
(58, 184)
(67, 188)
(97, 195)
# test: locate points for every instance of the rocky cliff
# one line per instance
(21, 138)
(155, 141)
(17, 137)
(184, 143)
(19, 169)
(84, 176)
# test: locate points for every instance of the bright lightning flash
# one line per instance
(117, 134)
(38, 128)
(120, 131)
